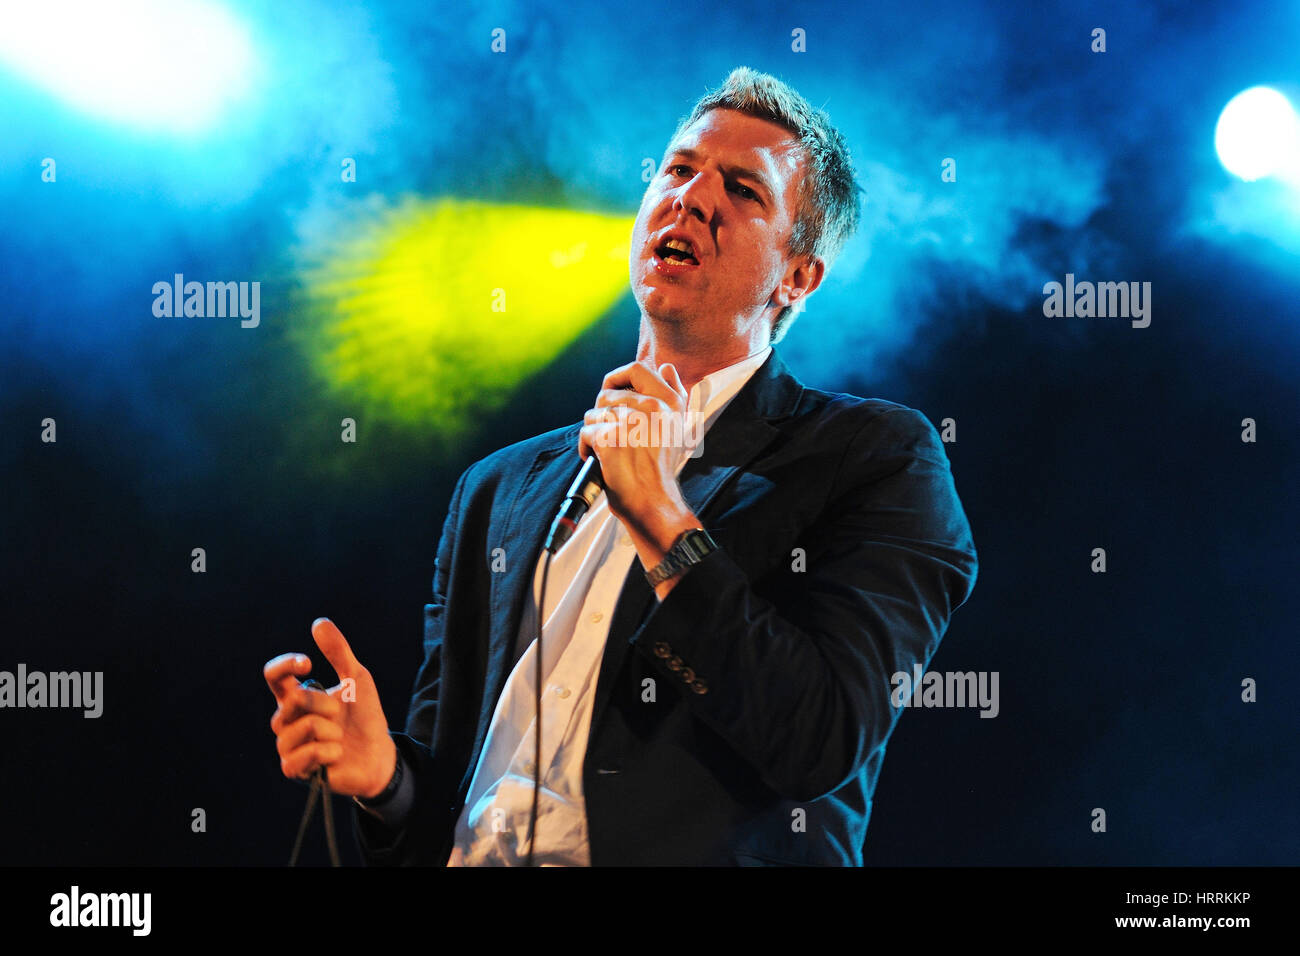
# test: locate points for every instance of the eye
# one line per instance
(742, 190)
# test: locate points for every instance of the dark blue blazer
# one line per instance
(843, 551)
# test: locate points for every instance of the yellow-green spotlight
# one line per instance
(432, 310)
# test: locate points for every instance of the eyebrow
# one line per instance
(742, 171)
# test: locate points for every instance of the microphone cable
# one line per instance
(537, 700)
(581, 495)
(320, 791)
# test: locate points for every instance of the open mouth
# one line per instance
(676, 252)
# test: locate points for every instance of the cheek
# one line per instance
(765, 266)
(651, 198)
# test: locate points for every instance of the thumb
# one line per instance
(668, 372)
(335, 647)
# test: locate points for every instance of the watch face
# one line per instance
(690, 548)
(698, 543)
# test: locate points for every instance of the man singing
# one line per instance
(720, 633)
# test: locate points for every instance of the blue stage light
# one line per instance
(157, 65)
(1258, 135)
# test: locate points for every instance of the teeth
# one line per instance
(680, 245)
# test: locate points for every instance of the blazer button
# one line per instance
(688, 675)
(700, 687)
(661, 649)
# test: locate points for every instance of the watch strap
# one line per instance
(689, 549)
(388, 792)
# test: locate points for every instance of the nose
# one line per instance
(696, 197)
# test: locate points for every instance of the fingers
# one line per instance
(305, 730)
(621, 377)
(668, 372)
(622, 398)
(306, 722)
(299, 701)
(655, 396)
(310, 739)
(282, 673)
(594, 437)
(308, 757)
(600, 429)
(644, 379)
(335, 647)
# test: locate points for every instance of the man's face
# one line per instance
(728, 186)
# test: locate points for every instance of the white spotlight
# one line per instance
(170, 65)
(1258, 135)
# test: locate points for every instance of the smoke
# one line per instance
(1053, 147)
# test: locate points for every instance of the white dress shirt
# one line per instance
(582, 588)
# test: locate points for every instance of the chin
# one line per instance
(659, 306)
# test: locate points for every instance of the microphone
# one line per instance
(581, 495)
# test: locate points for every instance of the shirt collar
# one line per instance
(711, 395)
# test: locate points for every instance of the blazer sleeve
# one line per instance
(414, 832)
(801, 686)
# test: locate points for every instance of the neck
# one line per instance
(694, 357)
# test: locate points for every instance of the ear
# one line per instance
(802, 278)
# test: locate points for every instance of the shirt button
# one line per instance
(563, 692)
(529, 767)
(597, 618)
(625, 541)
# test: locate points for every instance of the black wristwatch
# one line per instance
(689, 548)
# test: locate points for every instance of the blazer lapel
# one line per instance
(523, 535)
